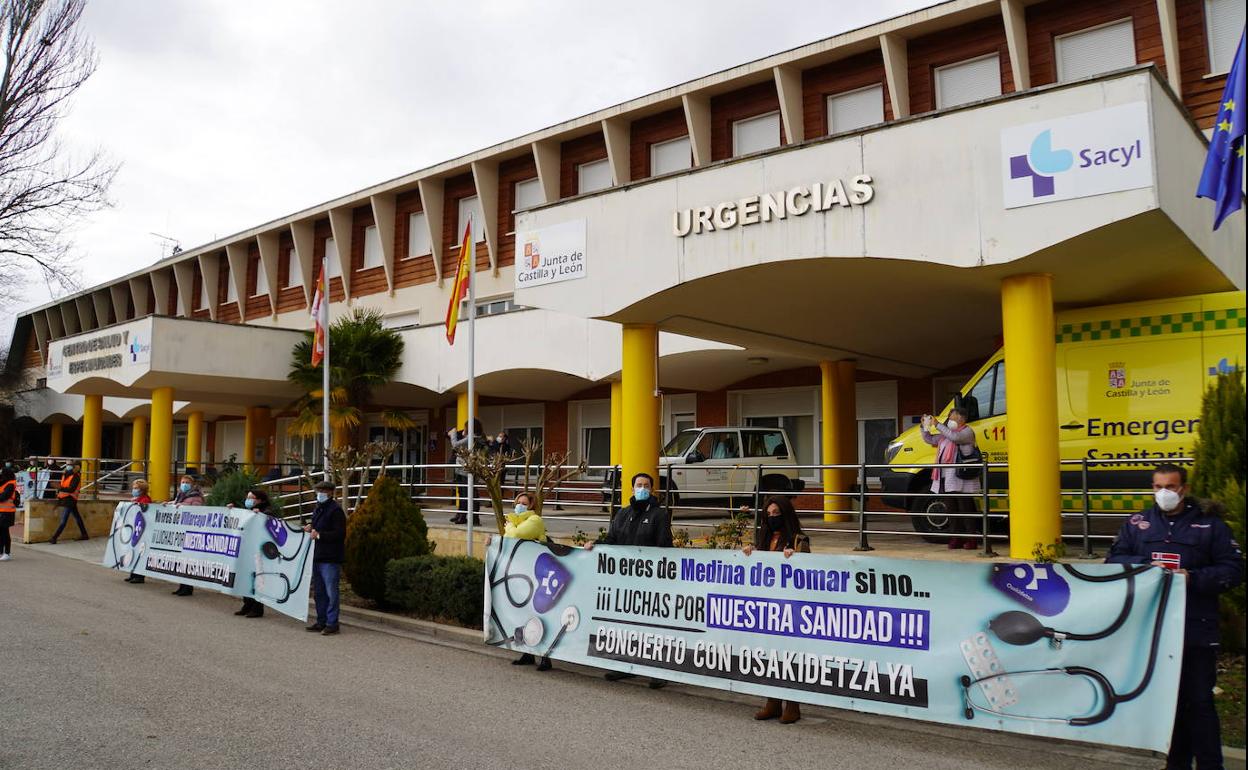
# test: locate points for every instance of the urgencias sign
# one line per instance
(754, 209)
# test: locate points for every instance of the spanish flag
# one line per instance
(463, 274)
(320, 317)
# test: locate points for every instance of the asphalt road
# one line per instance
(100, 674)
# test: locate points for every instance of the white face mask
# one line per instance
(952, 423)
(321, 497)
(1167, 499)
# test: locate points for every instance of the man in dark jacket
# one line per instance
(642, 522)
(328, 529)
(1177, 535)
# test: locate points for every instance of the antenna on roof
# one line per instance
(173, 244)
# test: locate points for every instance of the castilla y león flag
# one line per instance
(463, 274)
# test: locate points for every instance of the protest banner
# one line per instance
(1088, 653)
(231, 550)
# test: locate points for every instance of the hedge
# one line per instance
(436, 587)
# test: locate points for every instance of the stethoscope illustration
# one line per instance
(1022, 628)
(534, 630)
(279, 533)
(126, 536)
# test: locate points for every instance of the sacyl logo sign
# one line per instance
(1092, 153)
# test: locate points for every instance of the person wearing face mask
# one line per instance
(256, 501)
(139, 494)
(67, 500)
(524, 523)
(1177, 535)
(954, 440)
(189, 493)
(642, 522)
(10, 497)
(780, 530)
(328, 530)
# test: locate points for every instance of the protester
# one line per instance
(188, 494)
(460, 440)
(780, 530)
(1177, 535)
(10, 498)
(525, 524)
(256, 501)
(139, 493)
(67, 492)
(328, 529)
(954, 440)
(642, 522)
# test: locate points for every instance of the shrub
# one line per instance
(1220, 457)
(438, 587)
(388, 525)
(233, 486)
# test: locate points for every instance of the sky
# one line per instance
(224, 115)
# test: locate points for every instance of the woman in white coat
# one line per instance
(954, 439)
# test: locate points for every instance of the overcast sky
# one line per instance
(224, 115)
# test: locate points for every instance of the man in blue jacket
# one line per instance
(329, 529)
(1175, 534)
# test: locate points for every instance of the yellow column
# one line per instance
(56, 446)
(639, 452)
(160, 447)
(92, 435)
(138, 443)
(617, 422)
(833, 436)
(194, 439)
(846, 383)
(461, 409)
(1031, 392)
(249, 438)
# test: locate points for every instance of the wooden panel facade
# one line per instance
(289, 298)
(457, 188)
(748, 102)
(866, 69)
(227, 312)
(1048, 21)
(574, 152)
(950, 46)
(1202, 92)
(364, 281)
(510, 172)
(256, 306)
(409, 271)
(649, 131)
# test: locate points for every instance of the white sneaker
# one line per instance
(5, 557)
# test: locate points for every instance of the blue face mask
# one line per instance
(250, 502)
(641, 494)
(521, 508)
(184, 487)
(321, 497)
(135, 494)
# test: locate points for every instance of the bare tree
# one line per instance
(43, 191)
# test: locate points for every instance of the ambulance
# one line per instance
(1130, 379)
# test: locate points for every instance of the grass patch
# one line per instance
(1230, 702)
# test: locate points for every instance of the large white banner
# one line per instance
(551, 254)
(1076, 156)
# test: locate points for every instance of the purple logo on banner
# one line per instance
(552, 579)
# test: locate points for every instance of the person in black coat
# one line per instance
(1177, 535)
(328, 529)
(257, 501)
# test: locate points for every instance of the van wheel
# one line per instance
(930, 519)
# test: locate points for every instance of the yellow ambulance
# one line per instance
(1129, 384)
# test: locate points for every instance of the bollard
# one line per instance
(1087, 506)
(983, 488)
(863, 545)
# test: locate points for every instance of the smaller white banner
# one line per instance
(1091, 153)
(551, 254)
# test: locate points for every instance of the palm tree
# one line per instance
(364, 355)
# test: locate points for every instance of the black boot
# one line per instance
(184, 590)
(543, 664)
(245, 608)
(256, 611)
(525, 659)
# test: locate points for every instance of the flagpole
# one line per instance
(326, 439)
(472, 360)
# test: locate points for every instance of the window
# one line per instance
(683, 421)
(294, 270)
(471, 207)
(231, 291)
(985, 394)
(756, 134)
(719, 446)
(527, 194)
(372, 248)
(597, 448)
(673, 155)
(331, 254)
(592, 176)
(801, 431)
(181, 309)
(968, 81)
(1090, 52)
(202, 302)
(765, 443)
(855, 109)
(418, 235)
(1224, 23)
(262, 280)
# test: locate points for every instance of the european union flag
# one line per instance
(1222, 179)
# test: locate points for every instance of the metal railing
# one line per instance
(591, 499)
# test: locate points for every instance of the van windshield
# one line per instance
(680, 443)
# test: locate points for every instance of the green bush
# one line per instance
(1220, 457)
(387, 525)
(231, 487)
(438, 587)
